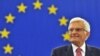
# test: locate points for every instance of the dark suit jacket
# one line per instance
(67, 51)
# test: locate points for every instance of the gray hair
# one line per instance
(86, 23)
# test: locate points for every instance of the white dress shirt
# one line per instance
(83, 47)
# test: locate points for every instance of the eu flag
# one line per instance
(35, 27)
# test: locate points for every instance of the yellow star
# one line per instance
(22, 8)
(37, 4)
(4, 33)
(9, 18)
(66, 36)
(8, 49)
(63, 21)
(52, 9)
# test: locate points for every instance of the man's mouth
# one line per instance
(74, 36)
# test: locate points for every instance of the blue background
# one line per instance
(36, 32)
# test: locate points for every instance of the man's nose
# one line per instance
(74, 31)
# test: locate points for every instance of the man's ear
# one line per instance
(87, 34)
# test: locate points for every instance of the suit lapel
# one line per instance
(88, 51)
(69, 51)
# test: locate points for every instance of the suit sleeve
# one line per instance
(54, 53)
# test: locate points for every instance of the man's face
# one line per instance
(77, 32)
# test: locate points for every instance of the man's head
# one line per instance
(79, 30)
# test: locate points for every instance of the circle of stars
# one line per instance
(5, 34)
(22, 9)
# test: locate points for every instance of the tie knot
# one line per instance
(78, 50)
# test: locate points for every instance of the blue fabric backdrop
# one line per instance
(36, 32)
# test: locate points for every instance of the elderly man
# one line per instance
(79, 30)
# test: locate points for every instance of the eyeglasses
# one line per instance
(76, 29)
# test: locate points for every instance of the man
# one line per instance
(79, 31)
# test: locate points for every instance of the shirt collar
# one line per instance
(83, 47)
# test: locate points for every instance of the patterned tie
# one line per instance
(78, 52)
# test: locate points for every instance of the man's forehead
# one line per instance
(77, 24)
